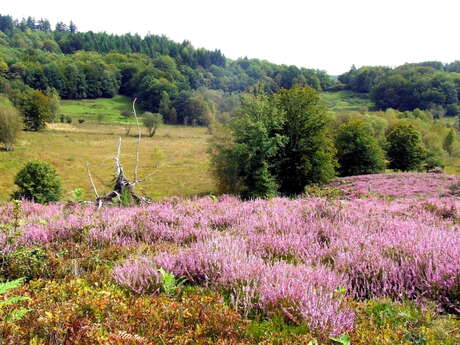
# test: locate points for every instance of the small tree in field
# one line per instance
(152, 122)
(449, 140)
(358, 152)
(10, 126)
(38, 182)
(405, 151)
(38, 109)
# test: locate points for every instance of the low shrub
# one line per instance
(38, 182)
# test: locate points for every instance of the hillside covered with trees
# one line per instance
(184, 83)
(430, 86)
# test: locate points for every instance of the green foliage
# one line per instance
(327, 192)
(358, 152)
(429, 86)
(343, 339)
(167, 77)
(244, 160)
(38, 108)
(60, 307)
(383, 322)
(152, 122)
(30, 263)
(433, 159)
(124, 199)
(169, 283)
(38, 181)
(77, 195)
(405, 150)
(274, 145)
(449, 140)
(308, 154)
(15, 314)
(10, 126)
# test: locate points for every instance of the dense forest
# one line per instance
(429, 85)
(189, 85)
(185, 84)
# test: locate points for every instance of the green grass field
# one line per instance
(175, 158)
(347, 101)
(101, 110)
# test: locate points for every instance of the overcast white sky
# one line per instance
(329, 34)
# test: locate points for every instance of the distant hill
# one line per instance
(428, 85)
(163, 74)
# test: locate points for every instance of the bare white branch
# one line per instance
(118, 166)
(91, 180)
(136, 169)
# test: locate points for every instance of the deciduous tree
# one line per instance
(405, 150)
(358, 152)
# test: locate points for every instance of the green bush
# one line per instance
(433, 159)
(29, 263)
(38, 182)
(358, 152)
(405, 150)
(10, 126)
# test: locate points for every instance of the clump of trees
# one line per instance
(275, 145)
(307, 156)
(10, 125)
(278, 144)
(429, 85)
(38, 181)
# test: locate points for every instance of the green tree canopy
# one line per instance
(243, 160)
(274, 145)
(449, 140)
(308, 155)
(152, 121)
(404, 150)
(39, 182)
(358, 152)
(10, 125)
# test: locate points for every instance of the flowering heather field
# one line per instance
(308, 262)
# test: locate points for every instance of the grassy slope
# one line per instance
(88, 109)
(180, 151)
(183, 170)
(347, 101)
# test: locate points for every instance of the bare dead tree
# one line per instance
(123, 189)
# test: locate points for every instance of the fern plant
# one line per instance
(15, 314)
(344, 339)
(169, 283)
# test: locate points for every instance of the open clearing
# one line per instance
(176, 158)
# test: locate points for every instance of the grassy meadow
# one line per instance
(101, 110)
(175, 158)
(347, 101)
